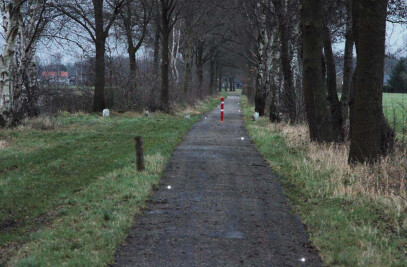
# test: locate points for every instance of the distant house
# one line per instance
(55, 77)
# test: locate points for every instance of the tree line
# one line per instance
(282, 50)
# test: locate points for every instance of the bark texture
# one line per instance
(262, 46)
(318, 116)
(11, 16)
(99, 102)
(371, 136)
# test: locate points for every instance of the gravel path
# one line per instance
(218, 204)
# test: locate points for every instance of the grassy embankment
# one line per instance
(355, 216)
(69, 194)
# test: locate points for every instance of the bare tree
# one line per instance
(96, 22)
(134, 20)
(170, 10)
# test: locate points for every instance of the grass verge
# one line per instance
(355, 216)
(69, 194)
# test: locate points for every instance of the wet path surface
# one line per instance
(218, 204)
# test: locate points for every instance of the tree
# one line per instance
(169, 15)
(397, 81)
(135, 18)
(95, 21)
(318, 116)
(23, 22)
(348, 62)
(333, 99)
(11, 13)
(371, 136)
(288, 96)
(263, 58)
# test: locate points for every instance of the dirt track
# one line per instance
(224, 206)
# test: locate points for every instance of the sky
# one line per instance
(396, 40)
(396, 43)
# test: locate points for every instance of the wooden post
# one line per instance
(139, 153)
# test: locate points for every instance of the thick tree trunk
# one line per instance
(315, 98)
(348, 63)
(133, 79)
(371, 135)
(99, 102)
(333, 99)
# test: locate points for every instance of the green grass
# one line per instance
(69, 195)
(348, 231)
(395, 108)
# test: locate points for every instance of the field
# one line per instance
(69, 189)
(395, 108)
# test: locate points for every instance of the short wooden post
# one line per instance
(139, 153)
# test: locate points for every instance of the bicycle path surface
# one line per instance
(218, 204)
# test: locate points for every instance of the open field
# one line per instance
(395, 108)
(70, 192)
(356, 216)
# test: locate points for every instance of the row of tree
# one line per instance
(183, 36)
(283, 48)
(295, 70)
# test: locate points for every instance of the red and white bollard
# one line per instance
(222, 105)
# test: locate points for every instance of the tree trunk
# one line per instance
(7, 59)
(348, 63)
(99, 102)
(274, 115)
(199, 67)
(165, 68)
(133, 78)
(315, 97)
(333, 99)
(289, 97)
(212, 78)
(188, 67)
(220, 78)
(262, 43)
(157, 37)
(371, 135)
